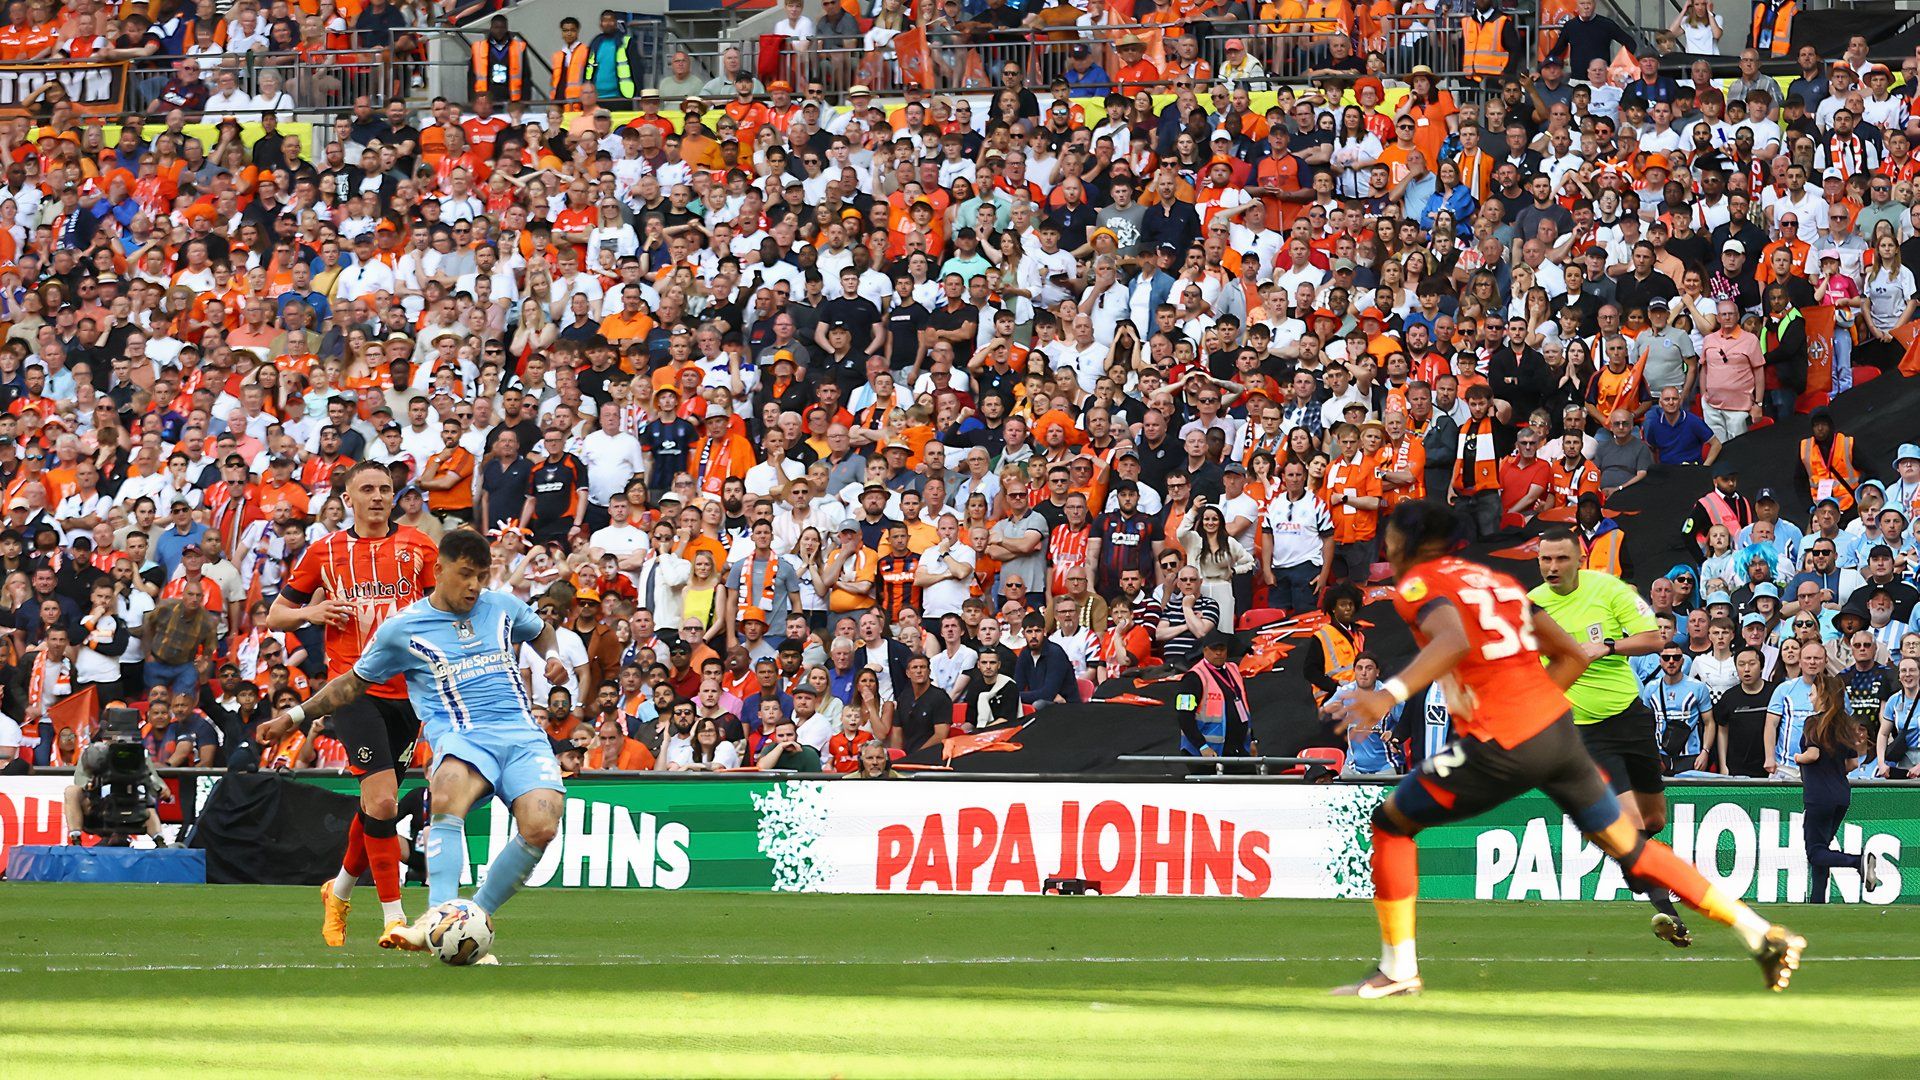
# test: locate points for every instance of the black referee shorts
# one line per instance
(1624, 747)
(378, 734)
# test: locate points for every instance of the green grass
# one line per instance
(185, 981)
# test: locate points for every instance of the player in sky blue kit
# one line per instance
(456, 648)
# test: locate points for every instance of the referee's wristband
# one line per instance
(1397, 689)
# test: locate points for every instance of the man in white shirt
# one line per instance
(1047, 272)
(945, 571)
(612, 457)
(367, 276)
(620, 538)
(1808, 206)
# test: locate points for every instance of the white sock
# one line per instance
(392, 912)
(1398, 962)
(1751, 928)
(343, 884)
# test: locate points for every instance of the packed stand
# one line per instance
(827, 431)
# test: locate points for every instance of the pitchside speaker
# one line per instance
(1069, 886)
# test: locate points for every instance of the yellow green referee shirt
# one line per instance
(1600, 607)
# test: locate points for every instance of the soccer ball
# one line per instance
(459, 932)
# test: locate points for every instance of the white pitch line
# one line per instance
(559, 961)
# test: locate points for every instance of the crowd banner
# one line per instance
(1164, 839)
(31, 811)
(95, 88)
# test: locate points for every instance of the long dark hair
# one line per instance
(1832, 724)
(1214, 543)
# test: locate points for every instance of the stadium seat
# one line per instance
(959, 721)
(1864, 375)
(1763, 422)
(1086, 689)
(1334, 757)
(1258, 617)
(894, 753)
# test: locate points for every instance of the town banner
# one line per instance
(1157, 839)
(94, 88)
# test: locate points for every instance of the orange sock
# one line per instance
(1396, 883)
(383, 855)
(354, 862)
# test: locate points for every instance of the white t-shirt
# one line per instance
(611, 460)
(945, 596)
(573, 653)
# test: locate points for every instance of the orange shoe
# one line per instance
(333, 923)
(400, 935)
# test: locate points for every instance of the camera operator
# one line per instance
(90, 780)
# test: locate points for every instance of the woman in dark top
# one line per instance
(1829, 749)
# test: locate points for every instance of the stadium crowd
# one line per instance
(815, 424)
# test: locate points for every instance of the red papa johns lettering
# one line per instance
(1154, 850)
(31, 820)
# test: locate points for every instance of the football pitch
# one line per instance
(201, 980)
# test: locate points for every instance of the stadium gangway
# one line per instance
(1263, 764)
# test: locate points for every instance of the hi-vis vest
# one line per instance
(1720, 512)
(1603, 552)
(569, 71)
(622, 65)
(1340, 652)
(1484, 56)
(1486, 464)
(1210, 713)
(508, 70)
(1831, 475)
(1773, 35)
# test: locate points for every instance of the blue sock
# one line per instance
(446, 856)
(508, 872)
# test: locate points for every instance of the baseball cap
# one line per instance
(1734, 245)
(1753, 618)
(1765, 494)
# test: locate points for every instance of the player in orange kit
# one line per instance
(1482, 640)
(351, 582)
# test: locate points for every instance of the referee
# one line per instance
(1610, 620)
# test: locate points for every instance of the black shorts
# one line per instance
(1470, 776)
(1624, 747)
(378, 733)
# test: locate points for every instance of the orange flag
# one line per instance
(973, 74)
(916, 62)
(872, 70)
(1519, 552)
(1624, 68)
(1553, 15)
(1908, 335)
(79, 712)
(997, 739)
(1819, 389)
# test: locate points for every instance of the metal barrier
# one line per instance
(1285, 51)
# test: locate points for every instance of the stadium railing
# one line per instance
(1286, 51)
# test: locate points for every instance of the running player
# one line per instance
(1481, 638)
(351, 582)
(456, 652)
(1610, 622)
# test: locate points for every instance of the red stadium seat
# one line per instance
(1086, 689)
(959, 721)
(1335, 759)
(1258, 617)
(894, 753)
(1865, 375)
(1763, 422)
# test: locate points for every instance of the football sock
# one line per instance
(353, 863)
(1657, 863)
(446, 856)
(508, 872)
(1660, 898)
(1396, 883)
(383, 857)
